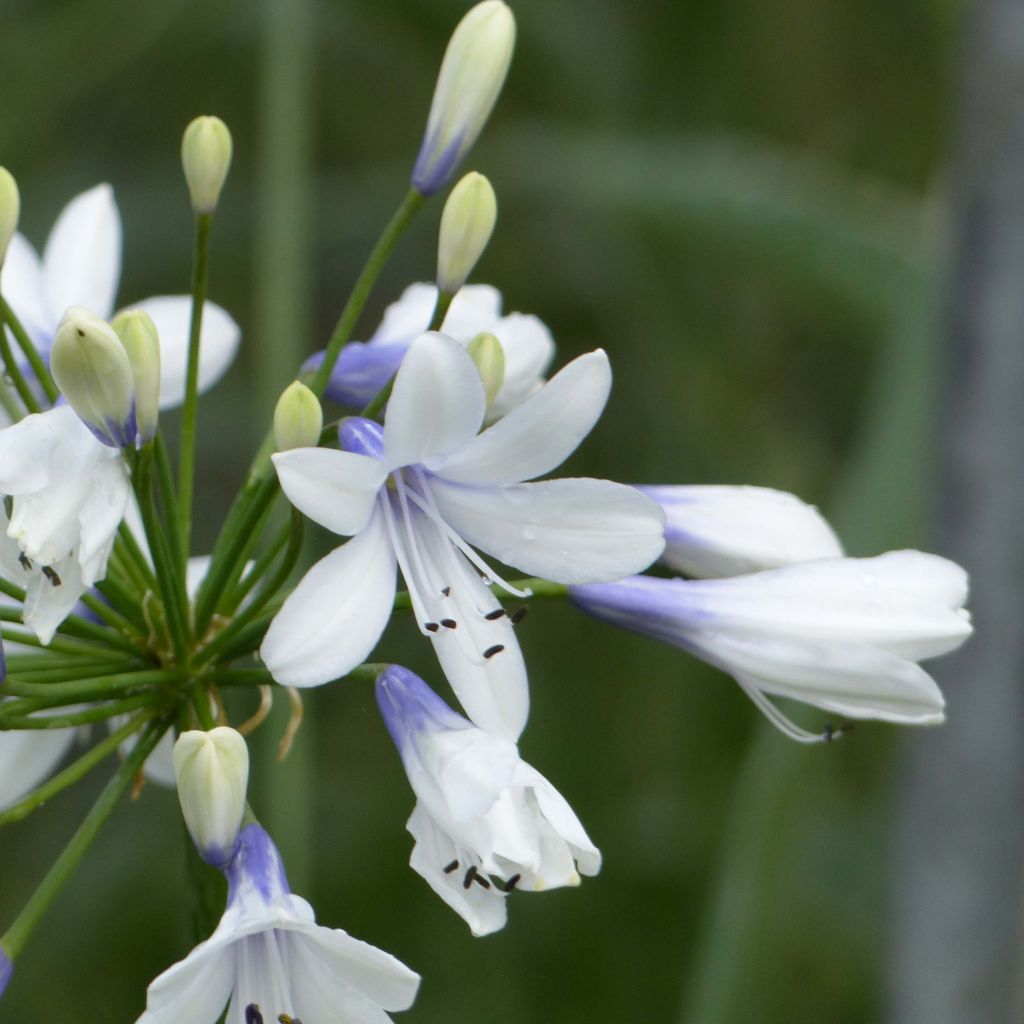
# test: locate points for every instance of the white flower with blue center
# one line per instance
(363, 368)
(269, 956)
(843, 634)
(486, 823)
(81, 266)
(426, 490)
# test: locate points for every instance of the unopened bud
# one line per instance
(206, 157)
(10, 209)
(141, 343)
(485, 350)
(466, 226)
(212, 772)
(472, 74)
(298, 418)
(91, 369)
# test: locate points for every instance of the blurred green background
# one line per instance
(736, 200)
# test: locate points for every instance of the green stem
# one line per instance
(13, 371)
(237, 594)
(187, 451)
(14, 411)
(74, 771)
(441, 307)
(39, 367)
(63, 673)
(58, 643)
(96, 714)
(96, 688)
(13, 941)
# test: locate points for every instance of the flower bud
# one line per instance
(212, 772)
(466, 226)
(472, 74)
(485, 350)
(10, 209)
(298, 418)
(206, 157)
(91, 368)
(141, 343)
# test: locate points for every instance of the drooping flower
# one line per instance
(426, 490)
(843, 634)
(269, 953)
(70, 493)
(485, 823)
(713, 531)
(81, 265)
(365, 367)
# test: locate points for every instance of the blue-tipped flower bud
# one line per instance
(212, 773)
(141, 343)
(298, 418)
(10, 209)
(466, 226)
(205, 158)
(92, 370)
(472, 74)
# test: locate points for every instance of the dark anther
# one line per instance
(26, 562)
(433, 627)
(51, 576)
(253, 1015)
(492, 651)
(481, 880)
(80, 332)
(496, 614)
(510, 883)
(449, 868)
(284, 1018)
(519, 614)
(832, 732)
(449, 623)
(447, 592)
(470, 875)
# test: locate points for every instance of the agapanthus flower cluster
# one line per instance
(431, 461)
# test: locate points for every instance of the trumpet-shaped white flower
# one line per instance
(363, 368)
(843, 634)
(485, 823)
(81, 265)
(426, 490)
(268, 953)
(70, 493)
(713, 531)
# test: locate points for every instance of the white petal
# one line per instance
(335, 489)
(714, 531)
(905, 602)
(28, 757)
(47, 605)
(335, 616)
(538, 435)
(850, 679)
(196, 988)
(570, 531)
(82, 259)
(218, 344)
(562, 818)
(336, 961)
(24, 287)
(100, 516)
(475, 308)
(482, 909)
(493, 691)
(437, 404)
(529, 349)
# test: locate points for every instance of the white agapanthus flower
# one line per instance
(485, 823)
(843, 634)
(81, 266)
(426, 490)
(714, 530)
(365, 367)
(269, 957)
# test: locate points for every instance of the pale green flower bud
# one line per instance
(212, 772)
(485, 350)
(298, 418)
(141, 343)
(472, 74)
(206, 157)
(92, 370)
(10, 209)
(466, 226)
